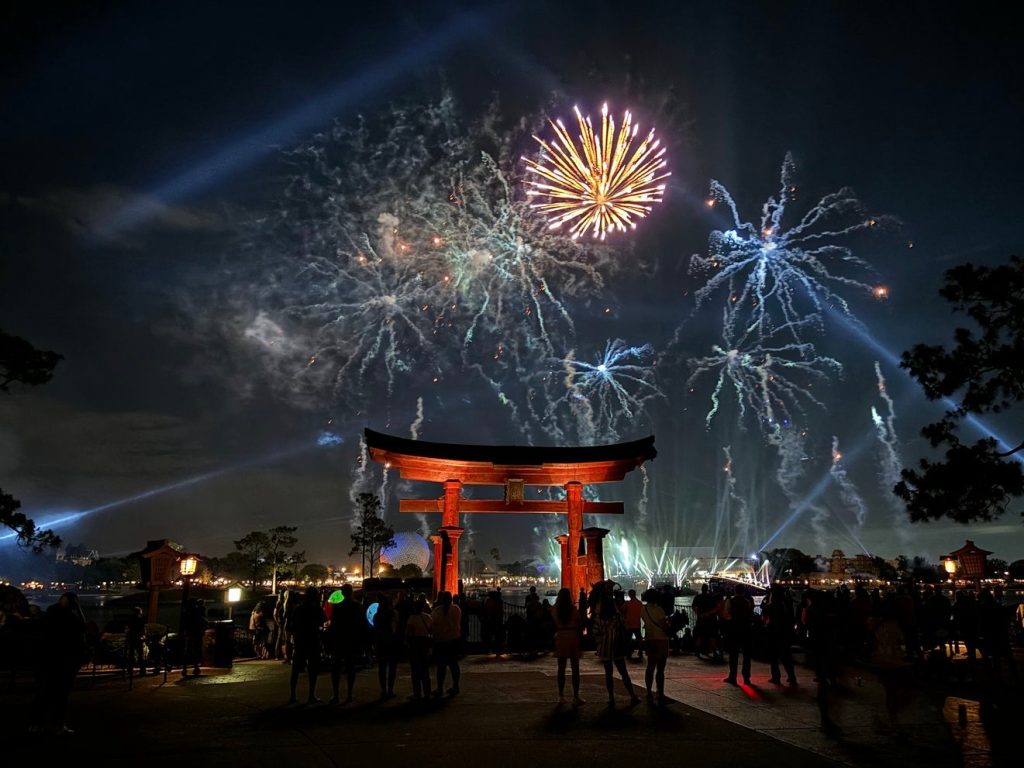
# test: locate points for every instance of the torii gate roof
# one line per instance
(496, 464)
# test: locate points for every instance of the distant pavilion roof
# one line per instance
(495, 464)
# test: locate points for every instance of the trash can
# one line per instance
(220, 641)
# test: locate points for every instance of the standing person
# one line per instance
(193, 626)
(779, 620)
(304, 622)
(895, 672)
(289, 605)
(446, 619)
(656, 631)
(385, 646)
(994, 621)
(346, 635)
(822, 647)
(272, 629)
(493, 623)
(135, 640)
(258, 631)
(568, 643)
(631, 613)
(705, 631)
(533, 622)
(418, 638)
(280, 608)
(612, 646)
(64, 650)
(738, 633)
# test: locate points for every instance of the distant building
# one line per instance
(79, 555)
(858, 566)
(970, 561)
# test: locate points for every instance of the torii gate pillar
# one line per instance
(446, 540)
(571, 566)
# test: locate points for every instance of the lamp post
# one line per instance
(187, 565)
(234, 595)
(949, 564)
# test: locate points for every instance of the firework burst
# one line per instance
(780, 275)
(608, 391)
(400, 250)
(761, 375)
(603, 182)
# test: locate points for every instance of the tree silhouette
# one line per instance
(22, 363)
(789, 562)
(280, 539)
(372, 535)
(254, 547)
(983, 374)
(314, 572)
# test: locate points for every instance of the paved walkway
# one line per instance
(506, 716)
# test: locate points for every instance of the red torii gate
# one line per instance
(515, 468)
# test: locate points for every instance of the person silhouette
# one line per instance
(305, 623)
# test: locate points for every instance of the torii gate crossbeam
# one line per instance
(515, 468)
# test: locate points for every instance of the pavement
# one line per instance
(506, 715)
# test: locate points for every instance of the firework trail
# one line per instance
(779, 275)
(414, 433)
(890, 463)
(820, 516)
(848, 492)
(641, 507)
(414, 428)
(758, 374)
(791, 448)
(362, 481)
(731, 519)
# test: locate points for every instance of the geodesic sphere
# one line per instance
(409, 549)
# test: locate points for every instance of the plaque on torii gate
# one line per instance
(515, 468)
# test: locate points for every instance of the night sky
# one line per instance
(135, 139)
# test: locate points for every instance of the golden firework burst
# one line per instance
(604, 183)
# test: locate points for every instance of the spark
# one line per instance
(600, 184)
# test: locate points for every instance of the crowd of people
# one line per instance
(313, 634)
(884, 628)
(896, 632)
